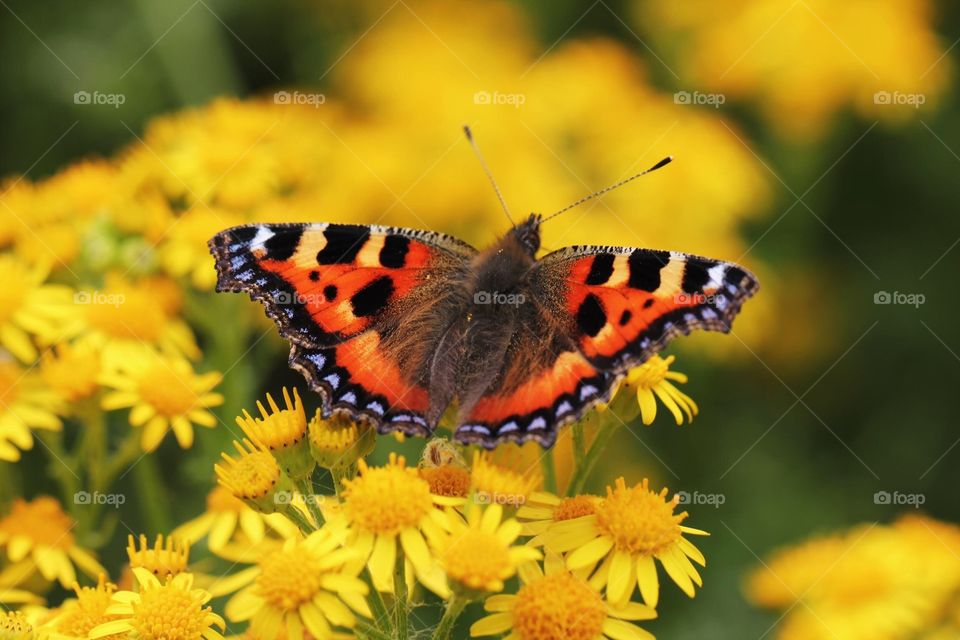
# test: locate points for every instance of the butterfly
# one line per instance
(394, 325)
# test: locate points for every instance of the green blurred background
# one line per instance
(796, 438)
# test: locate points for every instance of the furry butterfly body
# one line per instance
(394, 325)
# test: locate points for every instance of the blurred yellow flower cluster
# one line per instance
(887, 582)
(801, 62)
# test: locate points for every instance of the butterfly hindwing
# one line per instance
(338, 293)
(618, 307)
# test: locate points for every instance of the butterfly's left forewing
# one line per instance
(616, 307)
(356, 303)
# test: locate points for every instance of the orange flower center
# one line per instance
(167, 391)
(290, 578)
(42, 521)
(448, 480)
(558, 607)
(575, 507)
(477, 559)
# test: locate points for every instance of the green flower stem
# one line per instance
(583, 470)
(454, 608)
(381, 616)
(400, 592)
(368, 630)
(62, 467)
(151, 495)
(305, 487)
(579, 441)
(549, 468)
(306, 527)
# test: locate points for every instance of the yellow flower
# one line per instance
(479, 554)
(630, 528)
(386, 505)
(802, 63)
(338, 442)
(25, 403)
(30, 309)
(163, 392)
(542, 509)
(305, 585)
(184, 251)
(77, 616)
(654, 379)
(39, 534)
(71, 371)
(166, 558)
(283, 432)
(554, 604)
(225, 515)
(503, 482)
(124, 315)
(170, 610)
(873, 581)
(254, 476)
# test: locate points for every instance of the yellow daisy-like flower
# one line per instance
(78, 616)
(502, 483)
(338, 442)
(38, 533)
(654, 379)
(305, 585)
(71, 371)
(873, 581)
(386, 505)
(30, 309)
(124, 315)
(479, 554)
(25, 403)
(184, 251)
(284, 432)
(163, 392)
(554, 604)
(630, 528)
(254, 476)
(543, 509)
(170, 610)
(226, 517)
(165, 558)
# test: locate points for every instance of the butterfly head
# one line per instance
(527, 234)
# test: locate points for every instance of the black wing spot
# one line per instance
(695, 276)
(330, 292)
(344, 242)
(645, 269)
(591, 318)
(648, 303)
(282, 245)
(600, 269)
(245, 234)
(373, 297)
(393, 255)
(314, 276)
(625, 317)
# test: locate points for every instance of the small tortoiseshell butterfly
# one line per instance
(393, 325)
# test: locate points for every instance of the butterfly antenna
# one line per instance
(593, 195)
(486, 170)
